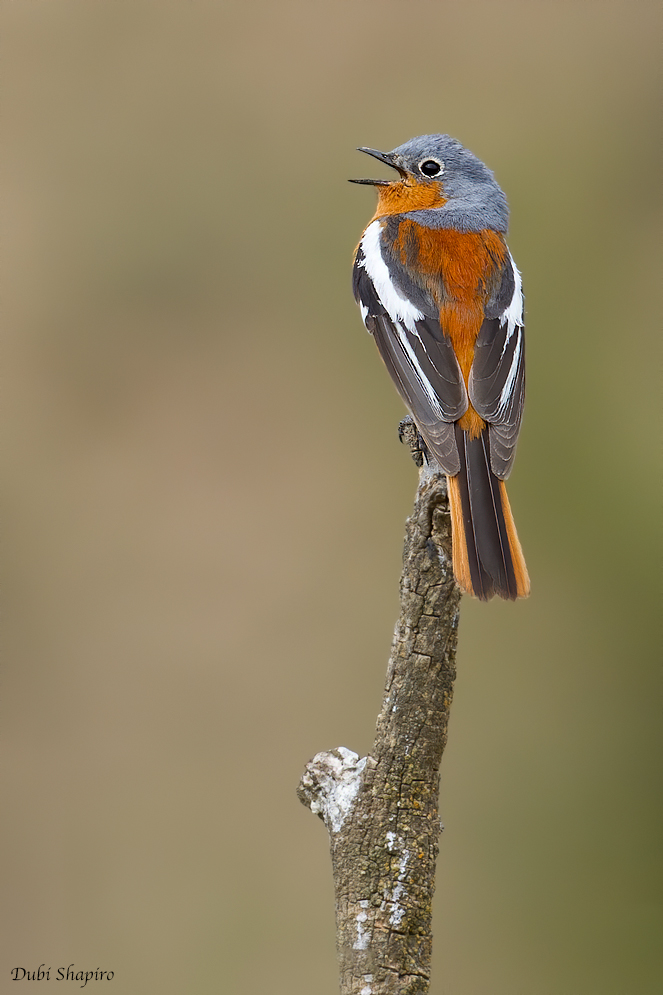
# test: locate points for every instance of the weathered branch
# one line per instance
(382, 811)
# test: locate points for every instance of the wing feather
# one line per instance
(496, 383)
(420, 359)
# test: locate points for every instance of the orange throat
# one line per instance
(400, 197)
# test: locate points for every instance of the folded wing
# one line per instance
(419, 357)
(496, 383)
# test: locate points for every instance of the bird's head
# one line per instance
(434, 171)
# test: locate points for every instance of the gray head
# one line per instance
(473, 198)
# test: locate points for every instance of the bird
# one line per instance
(439, 292)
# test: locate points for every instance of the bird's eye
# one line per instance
(430, 167)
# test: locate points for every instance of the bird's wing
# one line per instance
(404, 321)
(496, 383)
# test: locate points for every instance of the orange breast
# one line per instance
(459, 268)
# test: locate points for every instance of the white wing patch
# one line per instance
(513, 315)
(505, 396)
(398, 307)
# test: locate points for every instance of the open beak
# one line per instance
(386, 157)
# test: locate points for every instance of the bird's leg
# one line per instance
(409, 435)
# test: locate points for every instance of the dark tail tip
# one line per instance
(488, 559)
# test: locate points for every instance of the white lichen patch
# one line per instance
(367, 990)
(361, 943)
(393, 899)
(398, 912)
(335, 779)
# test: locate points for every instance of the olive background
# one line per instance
(205, 495)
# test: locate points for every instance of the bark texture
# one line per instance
(381, 811)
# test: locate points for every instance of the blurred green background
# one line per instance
(205, 495)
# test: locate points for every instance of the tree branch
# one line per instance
(382, 811)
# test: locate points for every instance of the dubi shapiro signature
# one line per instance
(70, 973)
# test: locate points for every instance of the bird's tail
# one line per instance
(487, 557)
